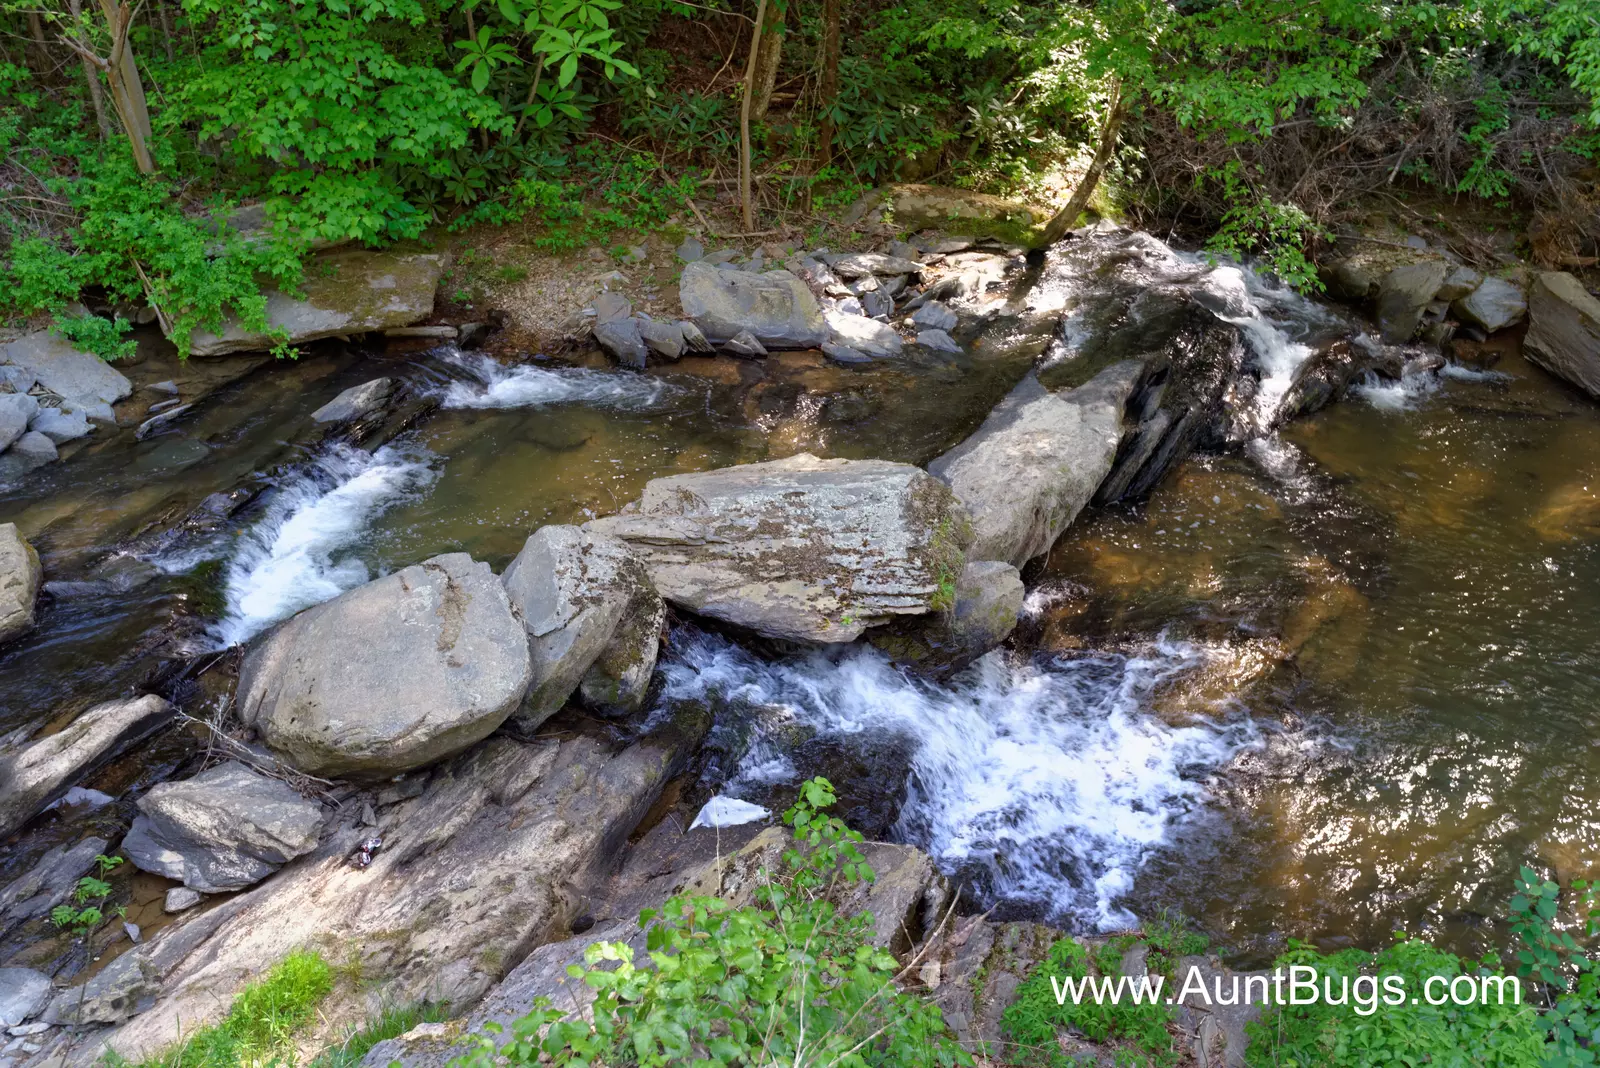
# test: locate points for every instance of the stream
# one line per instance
(1333, 683)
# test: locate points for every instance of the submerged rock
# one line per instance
(356, 402)
(392, 675)
(802, 548)
(1036, 461)
(1494, 305)
(1564, 330)
(346, 292)
(20, 578)
(33, 775)
(53, 363)
(593, 619)
(776, 307)
(225, 829)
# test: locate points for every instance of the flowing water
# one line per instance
(1340, 680)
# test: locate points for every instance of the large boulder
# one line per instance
(225, 829)
(1564, 330)
(392, 675)
(33, 775)
(345, 292)
(776, 307)
(20, 576)
(593, 621)
(802, 548)
(80, 377)
(1404, 294)
(1494, 305)
(1036, 461)
(988, 601)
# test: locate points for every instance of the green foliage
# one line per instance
(105, 338)
(1568, 978)
(261, 1026)
(391, 1023)
(1033, 1021)
(87, 910)
(788, 980)
(1274, 233)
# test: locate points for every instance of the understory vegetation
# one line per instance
(129, 127)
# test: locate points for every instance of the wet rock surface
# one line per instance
(392, 675)
(1564, 330)
(225, 829)
(80, 377)
(357, 402)
(802, 548)
(20, 578)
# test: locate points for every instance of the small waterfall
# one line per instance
(298, 553)
(1043, 785)
(494, 385)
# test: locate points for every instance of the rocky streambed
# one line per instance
(428, 661)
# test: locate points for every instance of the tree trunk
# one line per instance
(1063, 220)
(91, 74)
(829, 90)
(744, 117)
(768, 57)
(127, 91)
(166, 29)
(36, 28)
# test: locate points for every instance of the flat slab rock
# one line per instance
(81, 377)
(345, 292)
(1564, 330)
(801, 549)
(35, 774)
(392, 675)
(776, 307)
(1038, 458)
(20, 577)
(225, 829)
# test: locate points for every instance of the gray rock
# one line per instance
(33, 775)
(1404, 294)
(60, 426)
(20, 578)
(179, 899)
(356, 402)
(801, 548)
(225, 829)
(23, 994)
(1494, 305)
(663, 339)
(1458, 283)
(937, 340)
(844, 353)
(850, 305)
(924, 207)
(622, 339)
(346, 292)
(869, 264)
(1348, 280)
(165, 386)
(17, 379)
(17, 410)
(986, 603)
(157, 423)
(592, 618)
(876, 305)
(47, 884)
(1036, 461)
(611, 307)
(392, 675)
(864, 335)
(863, 284)
(497, 855)
(744, 343)
(1564, 330)
(693, 338)
(776, 307)
(63, 370)
(690, 251)
(936, 315)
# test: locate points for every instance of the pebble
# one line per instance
(180, 898)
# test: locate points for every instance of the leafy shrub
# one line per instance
(1032, 1022)
(788, 980)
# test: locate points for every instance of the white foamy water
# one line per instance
(1041, 786)
(299, 552)
(495, 385)
(1396, 396)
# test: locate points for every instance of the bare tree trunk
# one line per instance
(829, 89)
(36, 28)
(768, 56)
(1063, 220)
(744, 117)
(91, 74)
(166, 29)
(127, 91)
